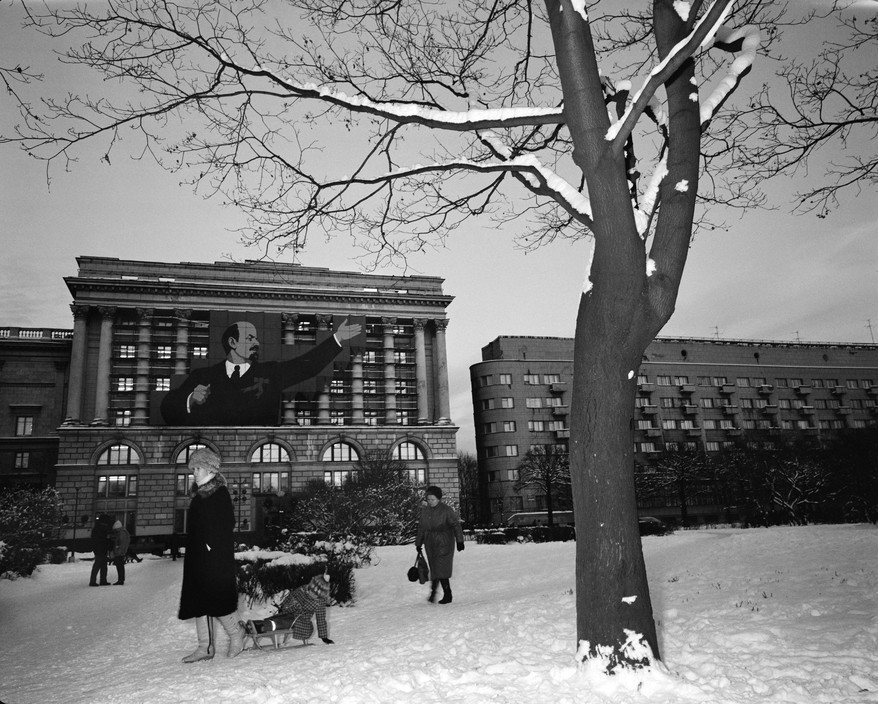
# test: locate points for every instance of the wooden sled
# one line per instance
(275, 636)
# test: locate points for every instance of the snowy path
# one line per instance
(786, 616)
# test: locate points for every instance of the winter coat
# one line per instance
(209, 584)
(301, 606)
(100, 540)
(439, 531)
(121, 543)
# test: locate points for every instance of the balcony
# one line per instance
(563, 434)
(648, 410)
(770, 409)
(839, 390)
(730, 410)
(843, 410)
(808, 410)
(765, 388)
(646, 386)
(687, 388)
(693, 432)
(727, 388)
(654, 432)
(560, 411)
(558, 387)
(690, 409)
(803, 389)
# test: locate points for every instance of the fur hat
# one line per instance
(206, 458)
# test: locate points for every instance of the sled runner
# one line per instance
(268, 630)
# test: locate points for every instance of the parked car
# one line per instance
(650, 525)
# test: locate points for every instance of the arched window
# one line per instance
(184, 454)
(340, 452)
(270, 452)
(118, 454)
(407, 451)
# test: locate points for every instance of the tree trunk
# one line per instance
(611, 586)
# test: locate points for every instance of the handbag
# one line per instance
(420, 571)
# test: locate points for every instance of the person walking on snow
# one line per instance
(209, 585)
(438, 531)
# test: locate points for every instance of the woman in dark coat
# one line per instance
(438, 531)
(209, 585)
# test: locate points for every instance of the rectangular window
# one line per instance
(533, 402)
(668, 402)
(163, 352)
(760, 402)
(199, 351)
(404, 387)
(507, 403)
(531, 379)
(551, 378)
(709, 424)
(642, 379)
(865, 383)
(488, 404)
(663, 380)
(508, 426)
(817, 383)
(707, 403)
(116, 486)
(417, 476)
(536, 426)
(554, 402)
(669, 424)
(704, 381)
(641, 401)
(644, 447)
(370, 357)
(555, 425)
(184, 481)
(336, 386)
(511, 475)
(401, 357)
(726, 424)
(271, 482)
(851, 383)
(742, 381)
(162, 383)
(490, 428)
(510, 450)
(780, 383)
(126, 352)
(336, 417)
(24, 425)
(491, 452)
(370, 417)
(720, 381)
(644, 424)
(122, 417)
(370, 386)
(680, 380)
(125, 383)
(687, 425)
(506, 379)
(711, 446)
(486, 380)
(336, 478)
(22, 460)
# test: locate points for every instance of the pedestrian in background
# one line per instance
(100, 545)
(121, 543)
(439, 531)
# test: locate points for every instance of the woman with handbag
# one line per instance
(439, 531)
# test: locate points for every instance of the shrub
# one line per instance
(57, 555)
(28, 519)
(491, 537)
(263, 576)
(547, 534)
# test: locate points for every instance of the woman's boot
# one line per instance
(446, 592)
(231, 623)
(434, 585)
(205, 649)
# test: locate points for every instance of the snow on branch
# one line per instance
(421, 114)
(701, 34)
(748, 38)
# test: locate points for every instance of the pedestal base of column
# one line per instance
(444, 421)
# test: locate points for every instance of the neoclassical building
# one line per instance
(141, 329)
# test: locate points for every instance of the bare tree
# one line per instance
(831, 103)
(683, 475)
(468, 481)
(547, 469)
(448, 111)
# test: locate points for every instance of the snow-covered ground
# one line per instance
(786, 615)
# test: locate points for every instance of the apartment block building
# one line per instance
(144, 330)
(693, 394)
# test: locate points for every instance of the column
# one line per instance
(105, 352)
(421, 371)
(77, 364)
(442, 372)
(357, 416)
(181, 350)
(324, 322)
(290, 321)
(389, 372)
(141, 381)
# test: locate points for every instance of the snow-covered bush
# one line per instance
(265, 575)
(27, 520)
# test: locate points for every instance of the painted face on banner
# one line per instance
(246, 347)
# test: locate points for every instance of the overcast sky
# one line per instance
(772, 275)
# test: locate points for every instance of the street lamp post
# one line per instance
(75, 522)
(239, 498)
